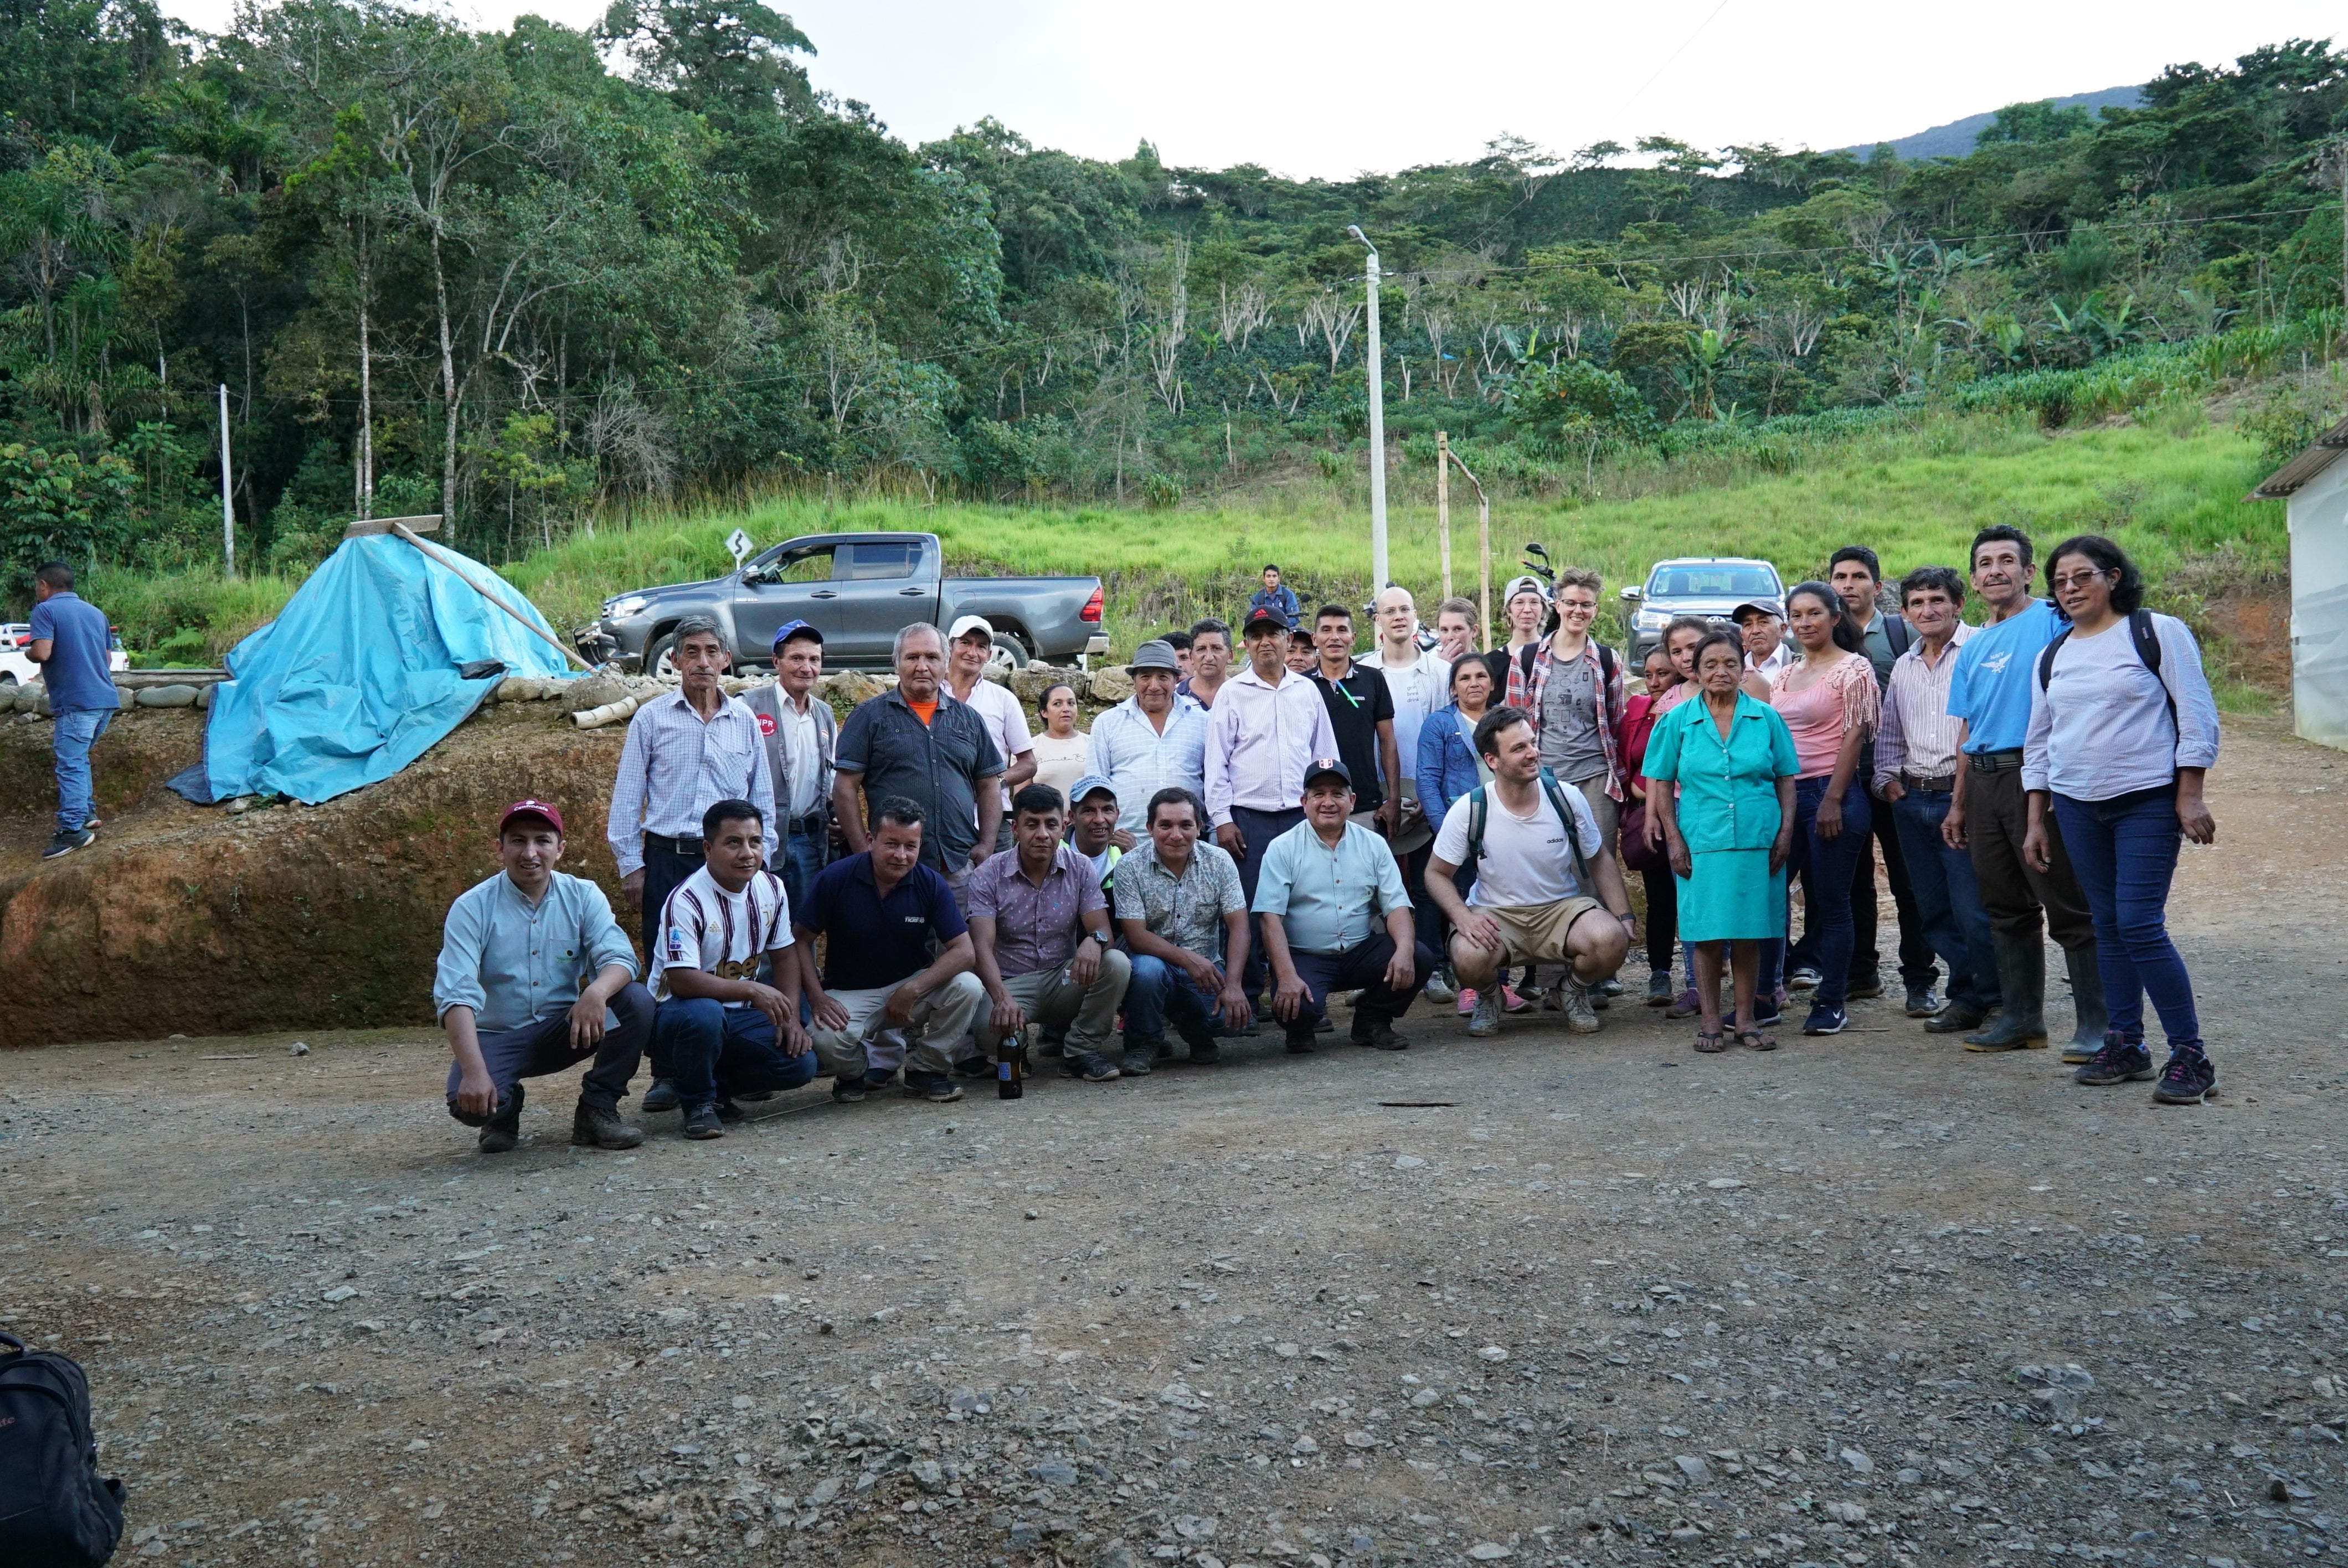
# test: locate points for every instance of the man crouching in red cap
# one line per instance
(514, 953)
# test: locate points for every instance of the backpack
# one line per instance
(2148, 649)
(1477, 805)
(1897, 634)
(56, 1511)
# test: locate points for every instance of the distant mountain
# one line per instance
(1956, 138)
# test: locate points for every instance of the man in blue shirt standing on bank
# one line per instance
(70, 642)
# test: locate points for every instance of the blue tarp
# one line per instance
(358, 675)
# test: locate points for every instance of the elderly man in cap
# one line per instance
(1153, 740)
(535, 976)
(968, 646)
(1267, 724)
(1335, 916)
(803, 739)
(1762, 626)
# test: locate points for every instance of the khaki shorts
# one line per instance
(1535, 933)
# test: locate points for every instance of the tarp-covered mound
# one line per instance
(362, 673)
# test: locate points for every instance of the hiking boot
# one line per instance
(1863, 987)
(1923, 1001)
(1687, 1004)
(1439, 987)
(847, 1090)
(600, 1127)
(1134, 1063)
(2091, 1017)
(67, 843)
(1574, 1000)
(1659, 988)
(659, 1097)
(937, 1088)
(501, 1132)
(1805, 978)
(2187, 1080)
(1954, 1018)
(701, 1122)
(1825, 1020)
(1381, 1036)
(1089, 1065)
(1204, 1050)
(1484, 1022)
(2119, 1061)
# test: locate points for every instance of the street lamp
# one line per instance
(1377, 426)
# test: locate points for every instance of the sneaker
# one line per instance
(1089, 1065)
(1659, 990)
(729, 1113)
(92, 824)
(1512, 1002)
(2120, 1061)
(1608, 989)
(1485, 1021)
(1146, 1047)
(1381, 1036)
(1467, 1003)
(1863, 987)
(876, 1080)
(1804, 979)
(1824, 1020)
(1770, 1011)
(702, 1121)
(1687, 1004)
(1134, 1063)
(1923, 1001)
(1439, 987)
(67, 843)
(659, 1097)
(1574, 1000)
(937, 1088)
(600, 1127)
(1205, 1050)
(2187, 1080)
(847, 1090)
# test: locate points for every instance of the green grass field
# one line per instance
(2171, 492)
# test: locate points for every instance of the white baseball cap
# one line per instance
(969, 623)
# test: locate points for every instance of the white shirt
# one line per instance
(1771, 665)
(800, 746)
(1006, 724)
(1418, 688)
(2099, 728)
(1260, 736)
(1524, 860)
(729, 934)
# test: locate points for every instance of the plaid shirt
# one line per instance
(1528, 695)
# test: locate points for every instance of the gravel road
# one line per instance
(1541, 1299)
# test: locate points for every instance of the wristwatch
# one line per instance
(1103, 938)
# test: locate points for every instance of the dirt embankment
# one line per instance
(188, 919)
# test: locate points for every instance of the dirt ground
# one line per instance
(1538, 1299)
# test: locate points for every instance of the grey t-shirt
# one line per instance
(1569, 743)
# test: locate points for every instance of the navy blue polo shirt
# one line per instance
(874, 943)
(78, 674)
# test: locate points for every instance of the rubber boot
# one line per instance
(2088, 1000)
(2022, 977)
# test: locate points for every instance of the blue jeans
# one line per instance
(714, 1051)
(1824, 866)
(73, 734)
(1158, 993)
(2123, 851)
(1948, 901)
(803, 855)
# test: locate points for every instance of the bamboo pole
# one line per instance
(1443, 502)
(405, 532)
(1483, 543)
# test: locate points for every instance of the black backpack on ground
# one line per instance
(56, 1510)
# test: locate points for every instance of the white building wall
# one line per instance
(2319, 606)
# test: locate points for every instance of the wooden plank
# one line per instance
(365, 527)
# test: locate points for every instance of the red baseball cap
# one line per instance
(536, 808)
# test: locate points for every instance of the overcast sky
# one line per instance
(1308, 87)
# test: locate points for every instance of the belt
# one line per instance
(1994, 761)
(810, 823)
(674, 845)
(1937, 784)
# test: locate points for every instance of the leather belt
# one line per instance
(1994, 762)
(811, 823)
(674, 845)
(1937, 784)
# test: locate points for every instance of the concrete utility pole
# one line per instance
(228, 511)
(1377, 426)
(1443, 502)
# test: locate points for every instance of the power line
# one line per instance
(1672, 58)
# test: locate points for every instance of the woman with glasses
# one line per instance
(2122, 731)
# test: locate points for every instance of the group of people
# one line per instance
(1263, 828)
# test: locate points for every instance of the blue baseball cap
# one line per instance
(790, 628)
(1086, 785)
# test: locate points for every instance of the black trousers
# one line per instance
(1258, 829)
(1363, 967)
(1663, 916)
(543, 1046)
(1918, 965)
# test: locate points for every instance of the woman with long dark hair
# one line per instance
(2122, 730)
(1829, 701)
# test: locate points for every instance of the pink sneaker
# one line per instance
(1511, 1002)
(1467, 1003)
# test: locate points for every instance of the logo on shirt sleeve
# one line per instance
(677, 945)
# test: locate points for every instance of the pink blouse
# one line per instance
(1843, 698)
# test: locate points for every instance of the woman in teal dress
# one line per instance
(1729, 827)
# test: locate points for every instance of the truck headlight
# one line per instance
(626, 606)
(1652, 620)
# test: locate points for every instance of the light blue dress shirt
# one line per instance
(1327, 899)
(514, 964)
(1138, 760)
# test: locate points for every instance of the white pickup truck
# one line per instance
(16, 666)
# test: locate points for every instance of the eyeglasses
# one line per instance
(2076, 579)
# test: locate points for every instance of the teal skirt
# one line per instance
(1732, 897)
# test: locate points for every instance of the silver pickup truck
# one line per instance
(858, 591)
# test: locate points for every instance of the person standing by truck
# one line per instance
(70, 640)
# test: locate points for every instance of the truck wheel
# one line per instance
(1010, 654)
(656, 657)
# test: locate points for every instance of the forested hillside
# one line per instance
(538, 277)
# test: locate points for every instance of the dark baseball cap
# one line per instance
(536, 808)
(1327, 768)
(1262, 618)
(790, 628)
(1759, 606)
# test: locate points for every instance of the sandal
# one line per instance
(1757, 1040)
(1710, 1041)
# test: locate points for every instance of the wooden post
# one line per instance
(1443, 502)
(1483, 542)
